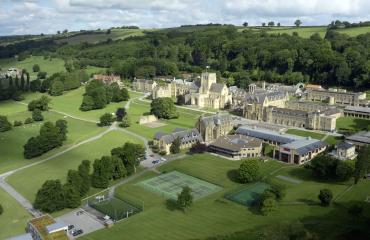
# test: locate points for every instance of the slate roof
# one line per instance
(305, 146)
(216, 119)
(344, 145)
(357, 109)
(185, 135)
(260, 97)
(363, 137)
(267, 135)
(235, 143)
(216, 87)
(289, 112)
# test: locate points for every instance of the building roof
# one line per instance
(217, 119)
(267, 135)
(41, 223)
(261, 96)
(55, 227)
(216, 87)
(236, 143)
(358, 109)
(185, 135)
(363, 137)
(289, 112)
(345, 145)
(304, 146)
(144, 81)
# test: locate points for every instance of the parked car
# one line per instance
(77, 232)
(155, 161)
(163, 159)
(70, 227)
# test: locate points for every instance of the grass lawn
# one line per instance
(214, 215)
(332, 140)
(305, 133)
(46, 65)
(187, 119)
(58, 167)
(14, 218)
(354, 31)
(12, 142)
(352, 124)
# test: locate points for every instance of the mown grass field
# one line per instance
(186, 119)
(46, 65)
(305, 133)
(57, 168)
(214, 215)
(352, 124)
(14, 218)
(306, 32)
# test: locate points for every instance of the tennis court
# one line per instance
(249, 195)
(115, 208)
(169, 185)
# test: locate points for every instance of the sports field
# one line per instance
(248, 196)
(170, 185)
(115, 208)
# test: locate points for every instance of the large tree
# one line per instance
(325, 197)
(5, 125)
(249, 171)
(185, 198)
(175, 146)
(298, 23)
(50, 197)
(106, 120)
(84, 171)
(163, 108)
(362, 164)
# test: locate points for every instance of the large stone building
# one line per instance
(337, 96)
(215, 126)
(344, 151)
(237, 146)
(359, 139)
(175, 88)
(188, 138)
(143, 85)
(358, 112)
(108, 79)
(211, 94)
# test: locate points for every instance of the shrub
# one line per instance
(5, 125)
(325, 197)
(37, 115)
(28, 121)
(249, 171)
(106, 120)
(17, 123)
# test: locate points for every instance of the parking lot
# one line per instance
(83, 221)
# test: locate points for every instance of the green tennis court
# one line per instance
(169, 185)
(249, 195)
(115, 208)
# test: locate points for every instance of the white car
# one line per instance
(163, 159)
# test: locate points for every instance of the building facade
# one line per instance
(237, 147)
(215, 126)
(173, 89)
(340, 97)
(108, 79)
(188, 138)
(344, 151)
(358, 112)
(143, 85)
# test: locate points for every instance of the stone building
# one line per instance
(175, 88)
(215, 126)
(211, 94)
(344, 151)
(340, 97)
(237, 146)
(108, 79)
(188, 138)
(359, 139)
(358, 112)
(143, 85)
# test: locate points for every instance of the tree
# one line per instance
(62, 125)
(130, 154)
(324, 166)
(325, 197)
(344, 170)
(249, 171)
(362, 163)
(356, 210)
(106, 120)
(175, 146)
(41, 75)
(84, 171)
(23, 83)
(50, 197)
(102, 173)
(1, 209)
(120, 113)
(125, 122)
(263, 24)
(245, 24)
(180, 100)
(74, 180)
(278, 24)
(5, 125)
(163, 108)
(198, 148)
(36, 68)
(56, 89)
(72, 196)
(268, 206)
(35, 85)
(298, 23)
(185, 198)
(37, 115)
(271, 24)
(119, 170)
(42, 103)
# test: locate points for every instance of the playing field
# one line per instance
(115, 208)
(248, 196)
(170, 185)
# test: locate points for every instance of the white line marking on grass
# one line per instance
(289, 179)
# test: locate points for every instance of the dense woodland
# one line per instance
(239, 57)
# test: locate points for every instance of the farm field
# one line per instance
(57, 168)
(215, 215)
(46, 65)
(14, 218)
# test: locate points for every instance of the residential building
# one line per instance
(215, 126)
(211, 94)
(359, 139)
(109, 79)
(358, 112)
(45, 228)
(143, 85)
(236, 146)
(344, 151)
(188, 138)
